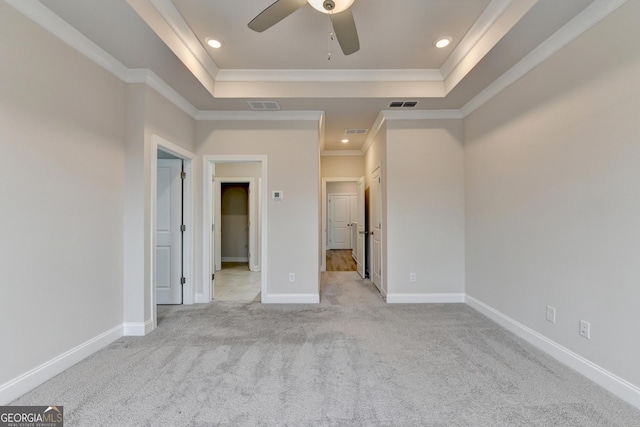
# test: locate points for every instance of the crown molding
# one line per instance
(515, 11)
(581, 23)
(47, 19)
(342, 153)
(483, 24)
(308, 115)
(60, 28)
(151, 79)
(422, 114)
(375, 129)
(176, 21)
(167, 22)
(169, 26)
(347, 75)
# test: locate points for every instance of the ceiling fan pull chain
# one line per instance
(331, 36)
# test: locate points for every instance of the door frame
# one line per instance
(208, 168)
(323, 252)
(252, 216)
(159, 143)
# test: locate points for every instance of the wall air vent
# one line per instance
(264, 105)
(403, 104)
(355, 131)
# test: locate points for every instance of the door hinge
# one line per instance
(183, 280)
(183, 175)
(213, 227)
(183, 228)
(213, 276)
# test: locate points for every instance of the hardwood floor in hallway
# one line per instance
(340, 260)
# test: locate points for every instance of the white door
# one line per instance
(360, 230)
(217, 225)
(376, 230)
(168, 232)
(353, 224)
(214, 246)
(339, 217)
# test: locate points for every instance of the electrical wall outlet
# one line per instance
(551, 314)
(585, 329)
(412, 277)
(292, 277)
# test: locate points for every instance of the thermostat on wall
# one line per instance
(278, 195)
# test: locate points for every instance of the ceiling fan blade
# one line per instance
(345, 28)
(275, 13)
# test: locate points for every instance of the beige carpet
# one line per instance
(350, 361)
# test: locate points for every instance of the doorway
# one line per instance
(162, 150)
(234, 251)
(236, 280)
(343, 223)
(234, 223)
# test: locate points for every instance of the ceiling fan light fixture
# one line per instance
(442, 42)
(216, 44)
(331, 6)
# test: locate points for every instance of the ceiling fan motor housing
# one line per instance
(329, 5)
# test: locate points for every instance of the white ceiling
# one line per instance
(288, 62)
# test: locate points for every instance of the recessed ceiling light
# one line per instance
(442, 42)
(344, 141)
(216, 44)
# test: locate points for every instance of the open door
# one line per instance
(169, 232)
(360, 230)
(376, 230)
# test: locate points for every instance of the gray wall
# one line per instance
(62, 186)
(425, 208)
(553, 201)
(293, 167)
(342, 166)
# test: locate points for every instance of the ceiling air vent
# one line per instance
(355, 131)
(264, 105)
(403, 104)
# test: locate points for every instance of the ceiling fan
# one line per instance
(339, 11)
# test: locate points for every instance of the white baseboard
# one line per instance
(38, 375)
(201, 299)
(616, 385)
(291, 299)
(137, 329)
(424, 298)
(234, 259)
